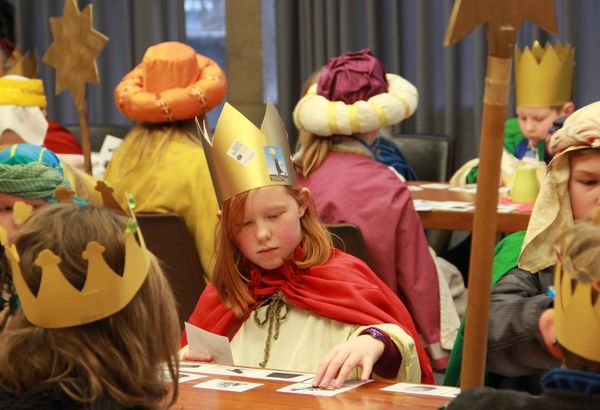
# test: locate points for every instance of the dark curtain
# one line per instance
(407, 36)
(131, 26)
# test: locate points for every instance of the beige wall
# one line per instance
(243, 48)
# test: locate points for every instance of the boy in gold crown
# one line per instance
(573, 327)
(543, 91)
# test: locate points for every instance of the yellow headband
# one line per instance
(26, 93)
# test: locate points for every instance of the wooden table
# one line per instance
(462, 220)
(368, 396)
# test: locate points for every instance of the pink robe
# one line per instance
(353, 188)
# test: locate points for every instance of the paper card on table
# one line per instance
(201, 341)
(423, 205)
(183, 377)
(281, 375)
(507, 207)
(307, 388)
(232, 371)
(194, 367)
(109, 146)
(227, 385)
(425, 389)
(466, 189)
(186, 377)
(435, 186)
(455, 206)
(414, 188)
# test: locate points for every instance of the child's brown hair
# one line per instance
(230, 274)
(119, 357)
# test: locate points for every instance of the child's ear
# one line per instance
(546, 326)
(304, 200)
(568, 108)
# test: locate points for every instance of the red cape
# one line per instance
(60, 141)
(343, 289)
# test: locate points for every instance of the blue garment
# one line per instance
(577, 381)
(387, 153)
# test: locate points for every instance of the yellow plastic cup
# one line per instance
(526, 185)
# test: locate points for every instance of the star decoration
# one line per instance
(74, 49)
(469, 14)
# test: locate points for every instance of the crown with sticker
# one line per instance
(544, 75)
(241, 157)
(58, 304)
(577, 298)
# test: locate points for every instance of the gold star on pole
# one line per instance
(502, 20)
(469, 14)
(74, 49)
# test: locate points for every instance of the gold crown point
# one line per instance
(46, 259)
(21, 211)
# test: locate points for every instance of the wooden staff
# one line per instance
(502, 21)
(76, 44)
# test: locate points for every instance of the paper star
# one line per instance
(469, 14)
(74, 49)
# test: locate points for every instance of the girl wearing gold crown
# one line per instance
(161, 160)
(90, 333)
(573, 326)
(280, 292)
(523, 262)
(339, 118)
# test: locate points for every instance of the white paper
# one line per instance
(227, 385)
(194, 367)
(424, 389)
(307, 388)
(435, 186)
(201, 341)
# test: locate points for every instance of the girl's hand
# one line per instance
(362, 351)
(197, 357)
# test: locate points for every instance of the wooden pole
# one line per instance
(85, 135)
(497, 81)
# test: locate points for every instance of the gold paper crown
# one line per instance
(18, 63)
(241, 157)
(544, 76)
(577, 307)
(58, 304)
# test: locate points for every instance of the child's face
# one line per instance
(7, 202)
(584, 185)
(535, 122)
(270, 230)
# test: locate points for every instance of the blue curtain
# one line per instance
(407, 36)
(131, 26)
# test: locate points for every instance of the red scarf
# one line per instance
(343, 289)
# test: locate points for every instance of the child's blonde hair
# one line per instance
(119, 357)
(143, 133)
(231, 267)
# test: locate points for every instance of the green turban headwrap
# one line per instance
(31, 172)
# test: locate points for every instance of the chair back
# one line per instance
(430, 155)
(168, 238)
(98, 132)
(348, 238)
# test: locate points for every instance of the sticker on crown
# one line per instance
(241, 153)
(276, 164)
